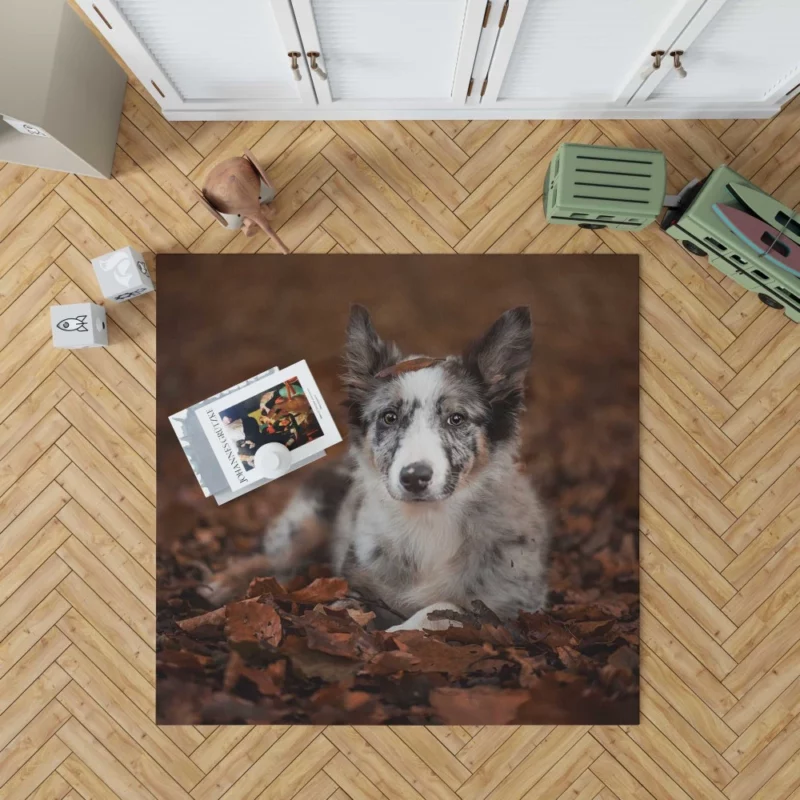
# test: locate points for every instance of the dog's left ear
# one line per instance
(503, 354)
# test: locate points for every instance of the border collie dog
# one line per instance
(428, 511)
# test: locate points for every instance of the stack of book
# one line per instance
(278, 412)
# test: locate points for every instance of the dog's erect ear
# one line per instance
(503, 354)
(366, 354)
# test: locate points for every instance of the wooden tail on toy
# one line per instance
(263, 223)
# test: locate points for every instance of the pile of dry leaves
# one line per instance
(304, 653)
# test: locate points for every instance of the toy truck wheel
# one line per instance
(592, 226)
(769, 301)
(693, 248)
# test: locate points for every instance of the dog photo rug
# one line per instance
(467, 555)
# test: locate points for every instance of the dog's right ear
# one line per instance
(366, 354)
(502, 356)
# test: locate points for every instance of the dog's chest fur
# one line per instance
(488, 542)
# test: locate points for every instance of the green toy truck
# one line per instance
(605, 187)
(701, 231)
(609, 187)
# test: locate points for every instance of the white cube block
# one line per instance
(78, 325)
(122, 274)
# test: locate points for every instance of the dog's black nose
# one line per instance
(416, 477)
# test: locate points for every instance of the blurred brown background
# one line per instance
(222, 319)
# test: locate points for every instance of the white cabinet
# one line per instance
(391, 53)
(208, 56)
(579, 51)
(734, 51)
(429, 59)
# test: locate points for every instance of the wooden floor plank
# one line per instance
(121, 636)
(32, 737)
(105, 657)
(30, 267)
(392, 169)
(138, 724)
(420, 162)
(120, 744)
(353, 204)
(144, 189)
(671, 732)
(30, 230)
(29, 531)
(681, 553)
(350, 167)
(25, 199)
(437, 143)
(12, 176)
(770, 606)
(31, 630)
(229, 770)
(513, 169)
(159, 131)
(720, 471)
(80, 741)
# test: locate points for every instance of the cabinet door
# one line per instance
(579, 53)
(735, 51)
(205, 54)
(391, 53)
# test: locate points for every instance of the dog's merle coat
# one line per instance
(429, 508)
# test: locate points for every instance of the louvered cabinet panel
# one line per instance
(207, 52)
(748, 51)
(386, 52)
(581, 50)
(432, 59)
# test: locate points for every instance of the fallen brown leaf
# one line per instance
(434, 655)
(322, 590)
(391, 661)
(253, 621)
(317, 664)
(260, 586)
(213, 619)
(362, 618)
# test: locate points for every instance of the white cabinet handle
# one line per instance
(313, 56)
(676, 60)
(295, 66)
(657, 55)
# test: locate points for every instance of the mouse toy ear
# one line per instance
(211, 210)
(257, 167)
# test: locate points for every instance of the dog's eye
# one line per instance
(389, 418)
(456, 419)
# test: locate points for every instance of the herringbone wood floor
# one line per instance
(720, 465)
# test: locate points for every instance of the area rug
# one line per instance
(489, 412)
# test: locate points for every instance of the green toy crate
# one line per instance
(605, 187)
(698, 228)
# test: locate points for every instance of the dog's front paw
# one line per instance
(232, 582)
(421, 621)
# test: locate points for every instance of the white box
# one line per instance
(122, 274)
(78, 325)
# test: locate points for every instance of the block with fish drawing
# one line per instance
(78, 325)
(122, 275)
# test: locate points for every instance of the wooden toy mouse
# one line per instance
(237, 192)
